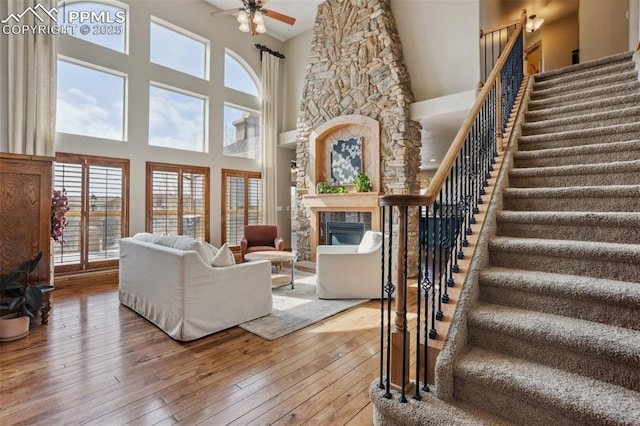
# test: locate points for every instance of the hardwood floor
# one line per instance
(97, 362)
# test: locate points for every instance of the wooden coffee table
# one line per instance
(276, 258)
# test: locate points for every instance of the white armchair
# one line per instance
(350, 271)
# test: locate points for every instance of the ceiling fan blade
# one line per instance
(279, 16)
(224, 12)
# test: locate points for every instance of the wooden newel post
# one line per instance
(398, 337)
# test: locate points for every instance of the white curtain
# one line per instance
(270, 82)
(32, 84)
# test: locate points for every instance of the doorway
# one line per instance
(534, 58)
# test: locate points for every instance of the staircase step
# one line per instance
(533, 394)
(615, 198)
(615, 68)
(585, 121)
(599, 351)
(585, 67)
(575, 109)
(580, 86)
(610, 227)
(594, 299)
(593, 259)
(618, 133)
(616, 173)
(591, 95)
(585, 154)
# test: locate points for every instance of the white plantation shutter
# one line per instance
(178, 200)
(97, 193)
(68, 179)
(242, 203)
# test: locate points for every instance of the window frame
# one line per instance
(180, 170)
(125, 96)
(254, 77)
(184, 32)
(86, 161)
(205, 116)
(246, 175)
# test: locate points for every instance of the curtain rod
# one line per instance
(263, 49)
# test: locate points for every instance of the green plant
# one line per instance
(18, 293)
(362, 183)
(325, 188)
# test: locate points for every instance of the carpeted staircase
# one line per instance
(555, 336)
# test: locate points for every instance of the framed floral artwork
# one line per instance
(346, 161)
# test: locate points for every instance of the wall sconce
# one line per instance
(93, 203)
(294, 166)
(533, 23)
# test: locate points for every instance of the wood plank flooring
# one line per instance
(97, 362)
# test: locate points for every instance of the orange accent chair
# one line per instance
(260, 238)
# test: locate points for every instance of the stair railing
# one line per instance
(445, 215)
(492, 42)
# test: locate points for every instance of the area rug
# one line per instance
(296, 308)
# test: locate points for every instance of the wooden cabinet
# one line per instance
(25, 212)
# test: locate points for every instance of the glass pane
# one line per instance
(237, 77)
(165, 202)
(193, 205)
(242, 133)
(90, 102)
(255, 202)
(105, 212)
(235, 210)
(178, 51)
(68, 179)
(97, 23)
(176, 120)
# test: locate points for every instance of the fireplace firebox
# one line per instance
(340, 233)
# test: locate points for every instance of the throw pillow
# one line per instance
(370, 241)
(184, 243)
(224, 257)
(210, 250)
(146, 237)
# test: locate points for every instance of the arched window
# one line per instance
(238, 75)
(102, 23)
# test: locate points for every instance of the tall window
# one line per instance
(90, 101)
(178, 200)
(101, 23)
(242, 203)
(241, 119)
(97, 192)
(176, 48)
(177, 119)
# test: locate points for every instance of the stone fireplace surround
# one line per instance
(355, 82)
(339, 128)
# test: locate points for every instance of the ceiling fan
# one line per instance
(251, 16)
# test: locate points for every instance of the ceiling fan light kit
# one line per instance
(251, 16)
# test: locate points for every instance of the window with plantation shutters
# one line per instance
(242, 203)
(178, 200)
(97, 193)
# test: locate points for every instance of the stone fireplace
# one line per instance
(356, 86)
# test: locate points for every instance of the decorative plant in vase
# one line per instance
(21, 298)
(362, 183)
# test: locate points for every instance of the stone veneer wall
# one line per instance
(356, 67)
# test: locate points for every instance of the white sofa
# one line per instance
(350, 271)
(178, 291)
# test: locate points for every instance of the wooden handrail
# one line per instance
(498, 28)
(447, 163)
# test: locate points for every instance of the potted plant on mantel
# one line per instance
(22, 299)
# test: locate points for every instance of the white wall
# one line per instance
(285, 155)
(634, 24)
(4, 131)
(603, 28)
(297, 52)
(440, 45)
